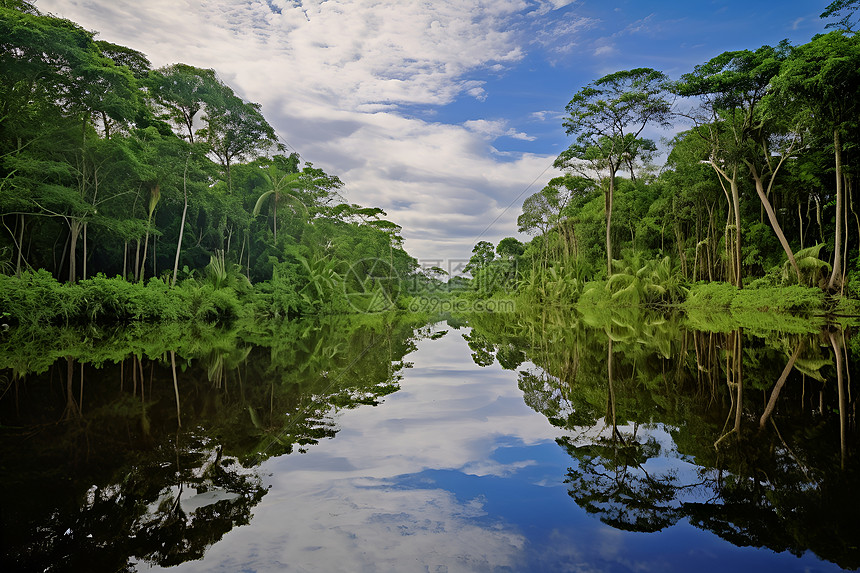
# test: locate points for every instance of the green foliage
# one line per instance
(559, 283)
(38, 299)
(720, 307)
(648, 283)
(844, 8)
(813, 270)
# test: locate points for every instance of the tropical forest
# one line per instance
(213, 357)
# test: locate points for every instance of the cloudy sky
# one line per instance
(445, 113)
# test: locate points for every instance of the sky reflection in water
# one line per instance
(454, 472)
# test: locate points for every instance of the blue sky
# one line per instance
(447, 114)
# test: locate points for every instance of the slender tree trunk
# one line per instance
(609, 198)
(181, 233)
(856, 218)
(59, 269)
(20, 245)
(145, 249)
(74, 232)
(125, 260)
(137, 260)
(737, 208)
(845, 204)
(818, 218)
(711, 240)
(836, 275)
(242, 250)
(800, 221)
(275, 219)
(84, 264)
(733, 200)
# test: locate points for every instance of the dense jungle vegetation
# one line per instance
(169, 183)
(759, 188)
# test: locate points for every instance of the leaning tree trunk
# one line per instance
(771, 216)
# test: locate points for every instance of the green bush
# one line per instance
(711, 295)
(37, 298)
(793, 298)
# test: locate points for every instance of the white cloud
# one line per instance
(545, 114)
(354, 511)
(604, 49)
(645, 24)
(492, 129)
(333, 77)
(563, 36)
(545, 6)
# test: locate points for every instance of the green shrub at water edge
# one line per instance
(38, 299)
(793, 298)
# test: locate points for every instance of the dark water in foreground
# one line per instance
(497, 446)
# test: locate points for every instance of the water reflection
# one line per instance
(151, 455)
(597, 443)
(751, 437)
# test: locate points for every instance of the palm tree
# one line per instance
(280, 185)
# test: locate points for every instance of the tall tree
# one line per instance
(731, 87)
(235, 129)
(820, 82)
(845, 10)
(182, 91)
(282, 186)
(607, 117)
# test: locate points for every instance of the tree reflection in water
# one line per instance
(117, 478)
(749, 434)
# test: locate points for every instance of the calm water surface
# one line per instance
(390, 448)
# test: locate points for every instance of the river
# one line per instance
(487, 444)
